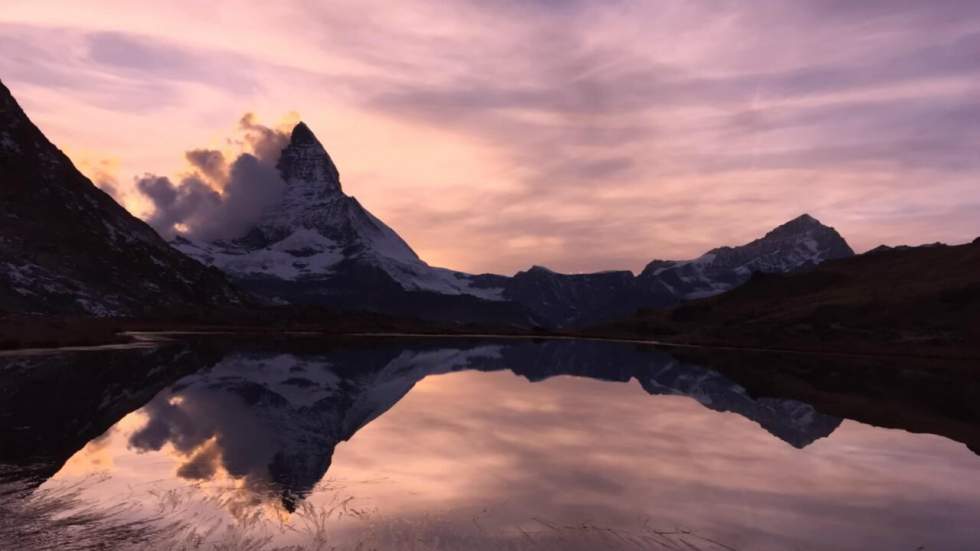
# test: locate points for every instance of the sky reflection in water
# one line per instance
(456, 439)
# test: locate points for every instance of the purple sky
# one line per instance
(578, 135)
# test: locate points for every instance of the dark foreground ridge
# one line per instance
(66, 247)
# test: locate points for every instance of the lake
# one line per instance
(212, 442)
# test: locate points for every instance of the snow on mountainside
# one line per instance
(796, 245)
(316, 231)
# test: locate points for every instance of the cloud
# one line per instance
(203, 465)
(252, 186)
(188, 203)
(116, 70)
(265, 142)
(210, 162)
(215, 200)
(203, 425)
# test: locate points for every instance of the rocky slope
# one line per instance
(66, 247)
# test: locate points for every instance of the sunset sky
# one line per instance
(580, 135)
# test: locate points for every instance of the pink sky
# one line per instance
(577, 135)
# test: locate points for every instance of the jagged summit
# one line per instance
(801, 224)
(305, 160)
(807, 230)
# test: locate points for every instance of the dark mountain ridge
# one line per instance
(66, 247)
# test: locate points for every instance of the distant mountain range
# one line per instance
(321, 246)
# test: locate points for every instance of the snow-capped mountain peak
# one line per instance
(798, 244)
(304, 161)
(317, 242)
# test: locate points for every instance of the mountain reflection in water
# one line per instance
(276, 418)
(268, 420)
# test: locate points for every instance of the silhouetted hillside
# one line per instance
(923, 300)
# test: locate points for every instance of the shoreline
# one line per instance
(121, 337)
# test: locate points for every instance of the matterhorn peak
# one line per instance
(304, 159)
(302, 134)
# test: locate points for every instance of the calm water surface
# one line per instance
(456, 445)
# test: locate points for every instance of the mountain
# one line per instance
(319, 245)
(66, 247)
(559, 300)
(575, 300)
(800, 244)
(904, 300)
